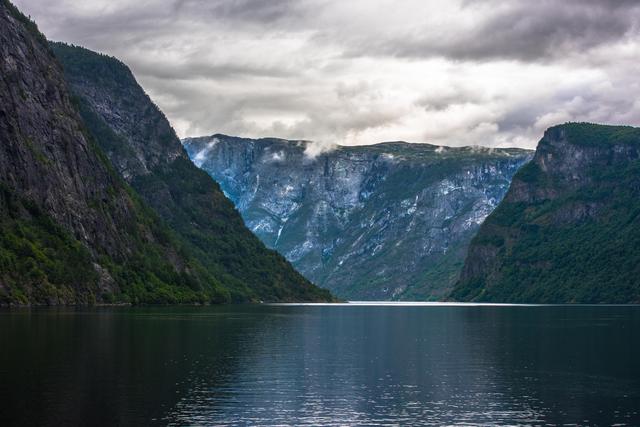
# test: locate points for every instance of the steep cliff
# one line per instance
(145, 150)
(387, 221)
(568, 230)
(71, 231)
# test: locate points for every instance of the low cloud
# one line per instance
(313, 149)
(277, 157)
(201, 156)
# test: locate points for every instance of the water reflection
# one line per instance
(108, 367)
(315, 365)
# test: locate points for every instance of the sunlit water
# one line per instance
(321, 365)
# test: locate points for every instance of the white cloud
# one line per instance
(201, 156)
(358, 72)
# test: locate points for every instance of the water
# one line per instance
(316, 365)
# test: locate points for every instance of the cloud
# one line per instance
(201, 156)
(272, 12)
(276, 157)
(518, 29)
(492, 72)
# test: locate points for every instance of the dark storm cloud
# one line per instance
(247, 11)
(520, 29)
(440, 99)
(534, 30)
(196, 70)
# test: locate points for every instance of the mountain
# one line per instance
(568, 230)
(72, 230)
(390, 221)
(145, 151)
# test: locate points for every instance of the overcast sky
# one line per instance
(452, 72)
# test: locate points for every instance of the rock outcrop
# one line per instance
(72, 232)
(568, 230)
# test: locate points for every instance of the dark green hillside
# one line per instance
(71, 230)
(568, 230)
(146, 152)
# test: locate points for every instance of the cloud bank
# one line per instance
(460, 72)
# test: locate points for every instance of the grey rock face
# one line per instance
(390, 221)
(144, 149)
(58, 195)
(44, 155)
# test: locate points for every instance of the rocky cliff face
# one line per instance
(384, 222)
(569, 228)
(71, 230)
(146, 152)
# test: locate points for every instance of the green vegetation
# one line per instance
(39, 261)
(160, 271)
(42, 263)
(593, 135)
(70, 239)
(215, 234)
(203, 223)
(579, 247)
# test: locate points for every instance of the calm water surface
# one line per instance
(321, 365)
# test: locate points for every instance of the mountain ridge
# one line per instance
(146, 152)
(74, 231)
(568, 229)
(313, 208)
